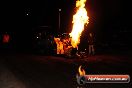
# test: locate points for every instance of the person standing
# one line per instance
(6, 41)
(91, 44)
(6, 38)
(61, 47)
(59, 44)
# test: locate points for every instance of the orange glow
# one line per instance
(81, 71)
(79, 21)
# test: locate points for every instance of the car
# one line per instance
(43, 41)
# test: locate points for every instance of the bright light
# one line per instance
(59, 9)
(79, 21)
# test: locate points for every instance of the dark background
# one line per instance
(110, 20)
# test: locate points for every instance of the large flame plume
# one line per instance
(79, 21)
(81, 71)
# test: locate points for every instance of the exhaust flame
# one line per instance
(81, 71)
(79, 21)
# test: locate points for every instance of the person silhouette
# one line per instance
(91, 44)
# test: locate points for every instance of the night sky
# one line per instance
(45, 13)
(109, 19)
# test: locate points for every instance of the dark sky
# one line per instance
(45, 12)
(109, 18)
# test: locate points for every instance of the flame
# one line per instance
(79, 21)
(81, 71)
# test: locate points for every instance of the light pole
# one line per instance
(59, 18)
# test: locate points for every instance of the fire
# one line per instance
(81, 71)
(79, 21)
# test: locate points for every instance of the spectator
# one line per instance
(6, 41)
(91, 44)
(6, 38)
